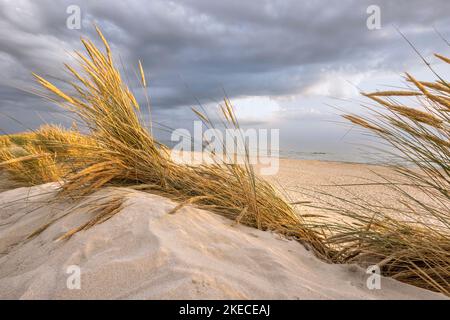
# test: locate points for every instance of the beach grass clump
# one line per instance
(119, 150)
(33, 158)
(59, 140)
(411, 244)
(5, 142)
(21, 139)
(30, 165)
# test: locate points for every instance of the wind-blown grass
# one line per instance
(412, 244)
(41, 156)
(5, 142)
(120, 151)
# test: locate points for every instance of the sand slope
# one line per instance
(145, 253)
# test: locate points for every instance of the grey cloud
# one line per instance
(196, 49)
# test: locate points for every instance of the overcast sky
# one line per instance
(279, 61)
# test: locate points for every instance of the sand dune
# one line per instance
(145, 253)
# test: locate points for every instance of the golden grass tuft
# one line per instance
(36, 167)
(58, 140)
(5, 142)
(29, 154)
(120, 151)
(412, 245)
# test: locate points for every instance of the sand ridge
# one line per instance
(145, 253)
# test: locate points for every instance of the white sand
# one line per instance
(145, 253)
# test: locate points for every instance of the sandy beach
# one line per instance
(323, 182)
(146, 253)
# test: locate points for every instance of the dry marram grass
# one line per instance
(413, 246)
(119, 151)
(126, 154)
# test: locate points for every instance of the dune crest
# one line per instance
(145, 253)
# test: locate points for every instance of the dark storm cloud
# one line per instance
(196, 49)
